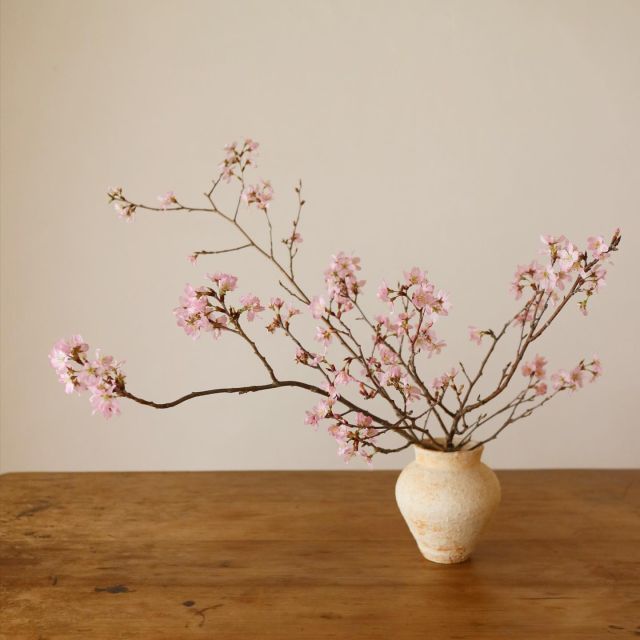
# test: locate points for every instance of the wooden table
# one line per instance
(310, 555)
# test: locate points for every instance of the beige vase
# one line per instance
(447, 500)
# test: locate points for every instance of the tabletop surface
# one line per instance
(310, 555)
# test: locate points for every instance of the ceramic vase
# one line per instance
(447, 499)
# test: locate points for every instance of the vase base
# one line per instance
(448, 555)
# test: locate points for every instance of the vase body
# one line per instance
(447, 500)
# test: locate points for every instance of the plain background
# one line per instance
(442, 134)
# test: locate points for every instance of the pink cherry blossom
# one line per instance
(415, 276)
(260, 194)
(102, 376)
(441, 304)
(423, 297)
(553, 244)
(342, 377)
(561, 380)
(387, 355)
(393, 376)
(167, 200)
(597, 246)
(324, 335)
(363, 420)
(568, 258)
(195, 314)
(289, 312)
(535, 368)
(317, 413)
(251, 305)
(525, 275)
(331, 390)
(411, 393)
(125, 210)
(577, 376)
(540, 388)
(104, 402)
(238, 158)
(317, 307)
(225, 281)
(595, 367)
(383, 292)
(547, 278)
(475, 334)
(192, 258)
(343, 285)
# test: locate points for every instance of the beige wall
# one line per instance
(444, 134)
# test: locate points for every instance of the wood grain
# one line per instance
(235, 555)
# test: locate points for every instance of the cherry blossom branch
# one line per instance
(390, 368)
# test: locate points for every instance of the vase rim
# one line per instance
(449, 459)
(440, 440)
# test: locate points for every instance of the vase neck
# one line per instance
(450, 460)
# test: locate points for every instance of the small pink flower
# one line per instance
(568, 258)
(59, 356)
(192, 258)
(290, 311)
(415, 276)
(441, 305)
(561, 380)
(553, 244)
(363, 420)
(260, 194)
(423, 297)
(324, 335)
(394, 375)
(331, 390)
(547, 278)
(535, 368)
(342, 282)
(387, 356)
(475, 335)
(251, 305)
(125, 211)
(383, 292)
(104, 402)
(317, 307)
(411, 393)
(597, 246)
(319, 412)
(167, 200)
(540, 388)
(342, 377)
(577, 376)
(225, 282)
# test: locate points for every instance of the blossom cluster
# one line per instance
(124, 209)
(101, 376)
(205, 310)
(238, 158)
(352, 439)
(576, 377)
(259, 194)
(343, 285)
(566, 266)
